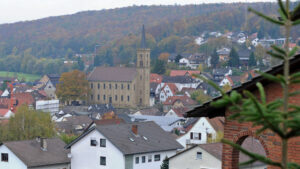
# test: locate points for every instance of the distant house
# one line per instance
(182, 81)
(226, 81)
(177, 112)
(198, 156)
(199, 131)
(244, 55)
(167, 123)
(38, 154)
(73, 124)
(168, 90)
(122, 146)
(223, 54)
(193, 61)
(184, 72)
(149, 111)
(50, 106)
(178, 102)
(6, 113)
(48, 84)
(219, 74)
(155, 78)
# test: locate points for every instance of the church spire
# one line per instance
(143, 42)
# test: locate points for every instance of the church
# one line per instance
(123, 87)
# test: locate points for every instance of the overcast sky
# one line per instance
(21, 10)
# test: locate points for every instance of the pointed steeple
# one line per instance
(143, 42)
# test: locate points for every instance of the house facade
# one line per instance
(123, 146)
(37, 154)
(121, 86)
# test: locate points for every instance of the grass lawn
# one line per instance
(26, 77)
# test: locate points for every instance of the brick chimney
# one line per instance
(43, 144)
(134, 129)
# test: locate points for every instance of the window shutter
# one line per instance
(191, 135)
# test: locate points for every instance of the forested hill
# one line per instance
(39, 46)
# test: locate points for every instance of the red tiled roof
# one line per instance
(184, 72)
(24, 98)
(217, 123)
(108, 121)
(184, 99)
(1, 92)
(42, 92)
(180, 111)
(155, 78)
(292, 45)
(230, 80)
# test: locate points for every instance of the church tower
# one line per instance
(143, 72)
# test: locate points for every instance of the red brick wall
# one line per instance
(237, 132)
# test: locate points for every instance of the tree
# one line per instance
(281, 117)
(226, 87)
(159, 67)
(72, 86)
(200, 96)
(27, 124)
(234, 59)
(80, 64)
(164, 56)
(67, 138)
(214, 59)
(177, 58)
(165, 164)
(252, 60)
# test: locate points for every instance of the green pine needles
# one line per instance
(279, 116)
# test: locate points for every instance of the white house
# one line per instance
(200, 130)
(199, 156)
(6, 113)
(51, 106)
(168, 90)
(123, 146)
(37, 154)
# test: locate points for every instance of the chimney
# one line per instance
(43, 144)
(134, 129)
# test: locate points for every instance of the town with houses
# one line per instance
(134, 118)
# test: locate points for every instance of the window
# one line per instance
(102, 142)
(143, 159)
(104, 86)
(128, 86)
(128, 98)
(122, 86)
(102, 160)
(4, 157)
(104, 97)
(98, 85)
(92, 85)
(109, 86)
(116, 86)
(137, 160)
(191, 135)
(157, 157)
(92, 96)
(93, 142)
(141, 77)
(116, 97)
(122, 98)
(149, 158)
(199, 155)
(98, 97)
(141, 63)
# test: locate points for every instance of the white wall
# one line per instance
(201, 126)
(153, 164)
(188, 160)
(171, 113)
(85, 156)
(62, 166)
(13, 161)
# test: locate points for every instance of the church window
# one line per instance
(141, 77)
(104, 86)
(128, 98)
(109, 86)
(122, 86)
(92, 96)
(116, 97)
(116, 86)
(104, 97)
(98, 85)
(122, 98)
(98, 97)
(141, 101)
(128, 86)
(92, 85)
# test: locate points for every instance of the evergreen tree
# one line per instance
(214, 59)
(178, 57)
(80, 64)
(252, 60)
(159, 67)
(234, 59)
(165, 164)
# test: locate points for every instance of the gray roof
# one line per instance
(178, 79)
(112, 74)
(30, 152)
(119, 135)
